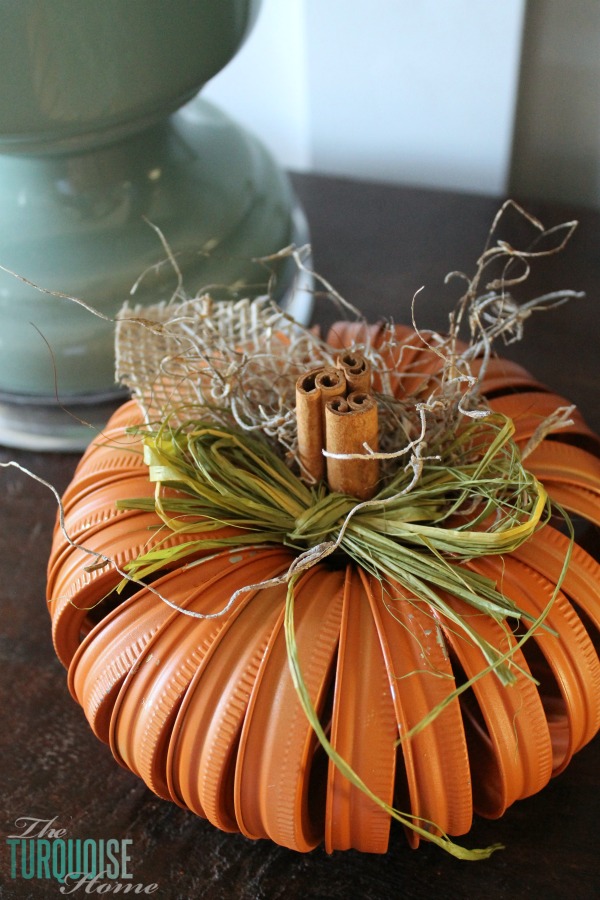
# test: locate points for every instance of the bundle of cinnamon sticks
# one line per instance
(336, 412)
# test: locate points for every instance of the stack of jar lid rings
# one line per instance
(205, 711)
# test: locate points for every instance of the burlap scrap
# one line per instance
(233, 362)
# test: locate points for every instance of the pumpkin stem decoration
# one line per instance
(336, 416)
(357, 548)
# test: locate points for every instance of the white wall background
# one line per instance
(426, 92)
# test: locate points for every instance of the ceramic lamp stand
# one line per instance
(99, 142)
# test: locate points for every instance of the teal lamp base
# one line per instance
(97, 169)
(89, 224)
(41, 424)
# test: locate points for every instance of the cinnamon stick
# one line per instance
(350, 424)
(313, 390)
(356, 369)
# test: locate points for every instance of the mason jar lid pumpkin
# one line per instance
(306, 586)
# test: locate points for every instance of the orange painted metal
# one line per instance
(205, 710)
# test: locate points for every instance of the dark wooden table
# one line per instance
(377, 245)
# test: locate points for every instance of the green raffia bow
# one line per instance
(416, 537)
